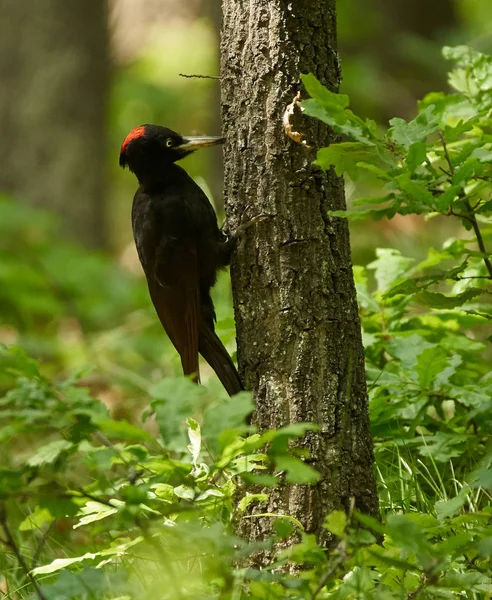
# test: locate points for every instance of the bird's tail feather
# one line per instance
(213, 351)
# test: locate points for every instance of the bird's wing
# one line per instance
(174, 290)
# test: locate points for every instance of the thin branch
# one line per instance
(10, 542)
(427, 578)
(478, 235)
(458, 278)
(446, 154)
(471, 217)
(341, 549)
(194, 76)
(42, 542)
(81, 493)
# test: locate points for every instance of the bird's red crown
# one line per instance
(133, 135)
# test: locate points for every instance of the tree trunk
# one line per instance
(298, 330)
(54, 77)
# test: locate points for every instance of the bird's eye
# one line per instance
(169, 142)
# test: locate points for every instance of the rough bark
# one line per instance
(298, 330)
(54, 79)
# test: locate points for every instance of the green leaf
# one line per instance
(357, 583)
(407, 534)
(377, 171)
(444, 446)
(23, 365)
(283, 528)
(481, 478)
(249, 499)
(444, 104)
(471, 168)
(259, 479)
(332, 109)
(362, 215)
(437, 300)
(59, 507)
(484, 547)
(36, 519)
(370, 522)
(389, 266)
(116, 551)
(174, 400)
(164, 491)
(296, 470)
(448, 371)
(408, 348)
(416, 190)
(483, 155)
(448, 508)
(463, 581)
(319, 92)
(417, 153)
(445, 200)
(343, 122)
(49, 453)
(430, 362)
(294, 430)
(336, 523)
(123, 429)
(453, 133)
(96, 511)
(405, 134)
(185, 491)
(405, 288)
(344, 157)
(225, 418)
(385, 558)
(472, 75)
(455, 545)
(88, 584)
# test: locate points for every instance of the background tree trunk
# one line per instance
(54, 77)
(299, 339)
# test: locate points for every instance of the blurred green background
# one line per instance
(76, 77)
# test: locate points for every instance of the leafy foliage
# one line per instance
(128, 482)
(439, 163)
(135, 514)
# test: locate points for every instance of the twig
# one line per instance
(104, 440)
(446, 154)
(478, 235)
(10, 542)
(341, 550)
(81, 493)
(427, 578)
(42, 542)
(194, 76)
(471, 217)
(458, 278)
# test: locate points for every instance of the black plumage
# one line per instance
(180, 246)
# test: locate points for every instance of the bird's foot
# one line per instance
(234, 235)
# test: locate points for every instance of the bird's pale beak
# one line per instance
(190, 144)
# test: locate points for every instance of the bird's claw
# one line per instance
(242, 228)
(233, 235)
